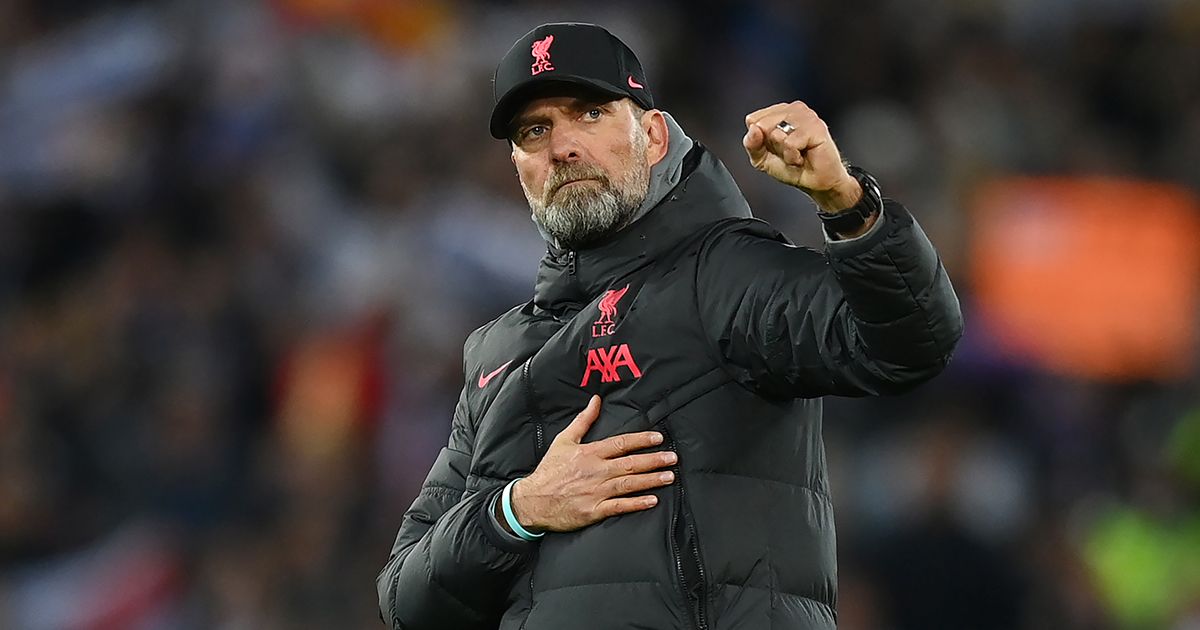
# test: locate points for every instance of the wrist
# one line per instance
(851, 221)
(841, 197)
(522, 528)
(520, 504)
(498, 513)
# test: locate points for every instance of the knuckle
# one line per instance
(621, 442)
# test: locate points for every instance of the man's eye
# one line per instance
(594, 113)
(535, 131)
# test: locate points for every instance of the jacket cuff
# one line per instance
(830, 237)
(884, 223)
(496, 532)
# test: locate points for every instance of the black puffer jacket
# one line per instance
(708, 325)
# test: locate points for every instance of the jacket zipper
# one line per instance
(539, 445)
(531, 402)
(698, 608)
(571, 263)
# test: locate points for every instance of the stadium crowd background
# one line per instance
(242, 242)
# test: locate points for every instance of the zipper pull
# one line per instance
(571, 263)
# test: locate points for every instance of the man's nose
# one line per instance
(564, 145)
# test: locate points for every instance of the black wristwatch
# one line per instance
(851, 219)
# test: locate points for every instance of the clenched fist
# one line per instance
(577, 484)
(804, 157)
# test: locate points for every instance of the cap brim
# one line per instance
(508, 105)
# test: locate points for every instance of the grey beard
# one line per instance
(585, 213)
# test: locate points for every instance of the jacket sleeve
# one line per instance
(451, 565)
(872, 315)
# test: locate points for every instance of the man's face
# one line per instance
(584, 163)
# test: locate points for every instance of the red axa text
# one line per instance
(607, 364)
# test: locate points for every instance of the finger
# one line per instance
(578, 427)
(793, 157)
(625, 505)
(618, 445)
(756, 116)
(777, 141)
(806, 139)
(795, 149)
(795, 112)
(636, 483)
(797, 117)
(640, 463)
(754, 142)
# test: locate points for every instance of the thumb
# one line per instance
(755, 143)
(582, 422)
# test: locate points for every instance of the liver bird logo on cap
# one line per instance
(541, 55)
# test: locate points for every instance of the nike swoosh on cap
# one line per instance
(634, 84)
(484, 380)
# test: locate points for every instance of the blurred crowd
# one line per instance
(242, 243)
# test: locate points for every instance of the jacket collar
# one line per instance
(567, 280)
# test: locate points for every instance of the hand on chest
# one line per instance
(632, 344)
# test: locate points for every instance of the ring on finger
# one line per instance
(785, 126)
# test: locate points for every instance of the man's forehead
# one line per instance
(565, 97)
(561, 102)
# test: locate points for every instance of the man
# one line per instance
(695, 495)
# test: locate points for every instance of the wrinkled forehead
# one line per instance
(559, 95)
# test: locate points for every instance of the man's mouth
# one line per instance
(573, 181)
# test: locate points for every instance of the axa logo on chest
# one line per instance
(608, 361)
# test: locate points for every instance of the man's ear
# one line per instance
(657, 135)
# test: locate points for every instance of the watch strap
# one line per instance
(854, 217)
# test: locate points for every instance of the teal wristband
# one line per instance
(511, 518)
